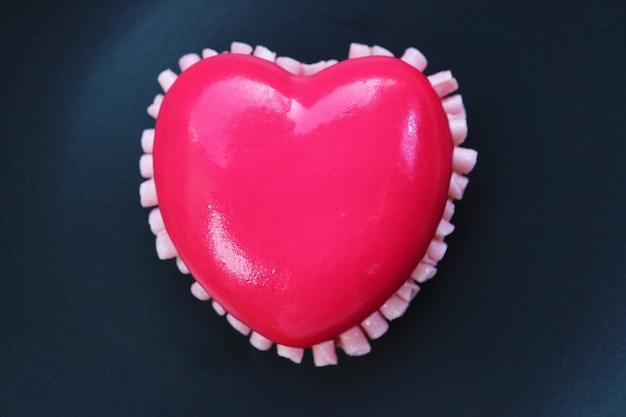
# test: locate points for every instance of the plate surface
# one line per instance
(525, 317)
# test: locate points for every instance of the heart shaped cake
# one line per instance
(308, 201)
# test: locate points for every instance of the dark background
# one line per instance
(527, 316)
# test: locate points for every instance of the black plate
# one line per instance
(527, 314)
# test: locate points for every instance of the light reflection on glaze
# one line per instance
(231, 112)
(339, 103)
(229, 255)
(409, 141)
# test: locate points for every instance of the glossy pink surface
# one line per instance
(301, 204)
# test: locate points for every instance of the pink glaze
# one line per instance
(273, 185)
